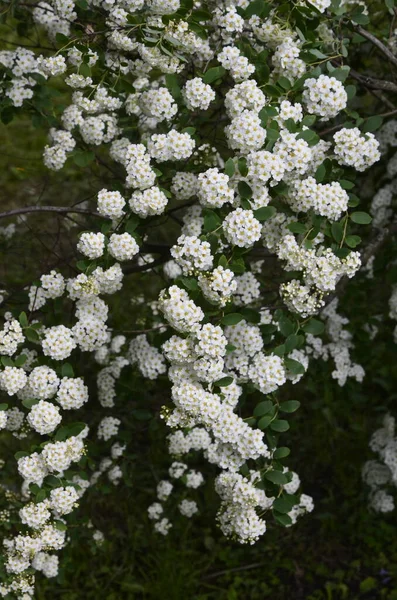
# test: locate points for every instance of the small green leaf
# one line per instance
(280, 425)
(294, 366)
(284, 504)
(337, 232)
(7, 361)
(67, 370)
(281, 452)
(284, 520)
(372, 124)
(263, 408)
(20, 360)
(265, 213)
(224, 382)
(289, 406)
(232, 319)
(29, 402)
(291, 342)
(264, 422)
(60, 525)
(352, 240)
(361, 218)
(83, 159)
(296, 227)
(40, 496)
(213, 74)
(244, 190)
(276, 477)
(3, 406)
(314, 326)
(23, 319)
(20, 454)
(32, 335)
(229, 167)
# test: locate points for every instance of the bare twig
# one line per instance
(374, 40)
(55, 209)
(384, 115)
(373, 83)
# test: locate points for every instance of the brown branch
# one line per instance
(139, 268)
(378, 239)
(373, 83)
(55, 209)
(384, 115)
(374, 40)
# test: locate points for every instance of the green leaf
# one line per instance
(362, 218)
(346, 185)
(229, 167)
(297, 227)
(265, 213)
(291, 342)
(264, 422)
(372, 124)
(263, 408)
(40, 496)
(341, 73)
(360, 19)
(314, 326)
(20, 454)
(294, 366)
(251, 315)
(244, 190)
(286, 326)
(276, 477)
(190, 283)
(281, 452)
(132, 223)
(280, 425)
(242, 166)
(67, 370)
(29, 402)
(284, 503)
(232, 319)
(32, 335)
(284, 520)
(7, 361)
(352, 240)
(337, 232)
(289, 406)
(20, 360)
(3, 406)
(68, 431)
(211, 220)
(23, 319)
(83, 159)
(224, 382)
(257, 7)
(60, 525)
(230, 348)
(213, 74)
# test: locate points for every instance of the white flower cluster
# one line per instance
(381, 474)
(356, 150)
(324, 96)
(192, 255)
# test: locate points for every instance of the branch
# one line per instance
(372, 83)
(384, 115)
(139, 268)
(374, 40)
(54, 209)
(374, 245)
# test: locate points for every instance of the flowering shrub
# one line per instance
(226, 151)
